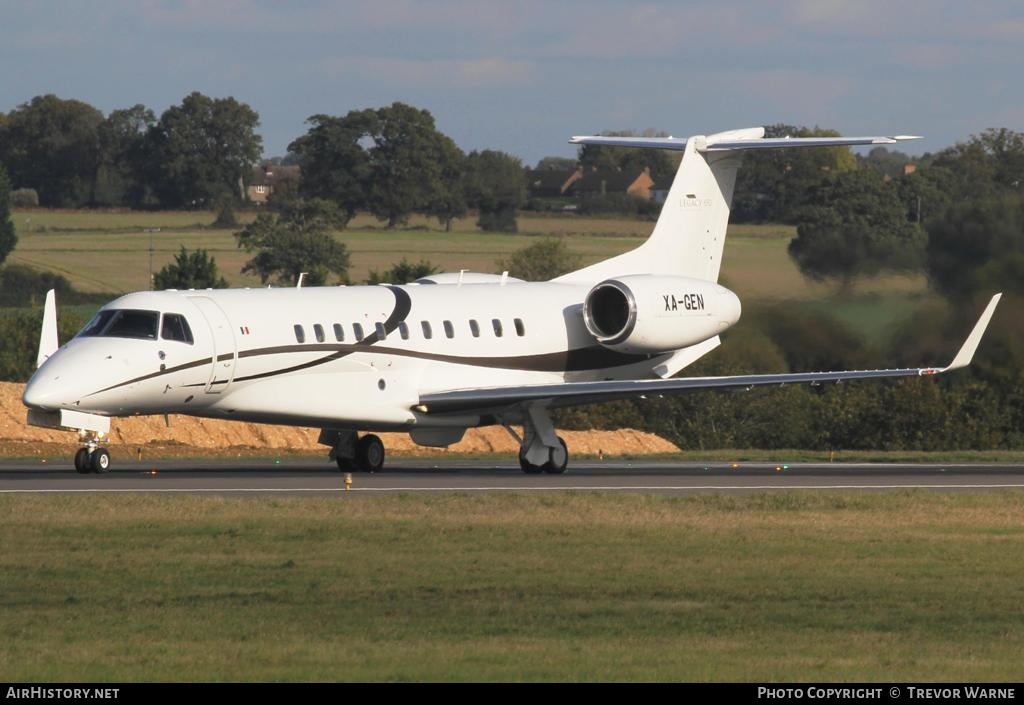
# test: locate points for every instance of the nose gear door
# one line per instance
(225, 348)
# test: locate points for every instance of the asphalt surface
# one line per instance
(305, 477)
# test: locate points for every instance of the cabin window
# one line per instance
(318, 331)
(339, 333)
(175, 327)
(382, 332)
(449, 329)
(474, 328)
(403, 330)
(357, 331)
(520, 328)
(427, 333)
(300, 334)
(497, 327)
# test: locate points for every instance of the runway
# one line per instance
(312, 477)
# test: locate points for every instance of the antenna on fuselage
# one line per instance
(302, 275)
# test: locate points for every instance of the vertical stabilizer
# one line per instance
(690, 233)
(689, 236)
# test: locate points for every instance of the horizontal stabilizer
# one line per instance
(735, 140)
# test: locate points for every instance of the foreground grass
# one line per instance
(815, 586)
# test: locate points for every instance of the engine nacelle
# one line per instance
(643, 313)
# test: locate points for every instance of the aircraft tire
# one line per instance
(558, 459)
(100, 460)
(528, 467)
(82, 466)
(369, 453)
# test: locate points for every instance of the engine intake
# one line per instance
(649, 314)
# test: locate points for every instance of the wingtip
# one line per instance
(966, 354)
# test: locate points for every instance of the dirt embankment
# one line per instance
(192, 436)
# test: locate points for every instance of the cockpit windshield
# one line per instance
(123, 323)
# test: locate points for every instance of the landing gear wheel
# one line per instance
(100, 460)
(82, 461)
(528, 467)
(558, 459)
(369, 453)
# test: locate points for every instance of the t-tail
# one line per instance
(689, 237)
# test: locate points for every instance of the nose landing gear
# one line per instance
(92, 458)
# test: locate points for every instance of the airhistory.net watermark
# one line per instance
(41, 693)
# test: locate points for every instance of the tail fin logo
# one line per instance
(691, 201)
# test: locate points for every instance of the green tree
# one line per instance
(773, 184)
(449, 200)
(891, 163)
(855, 224)
(121, 172)
(190, 270)
(335, 165)
(295, 239)
(51, 145)
(407, 163)
(402, 272)
(203, 149)
(985, 164)
(225, 207)
(926, 193)
(556, 164)
(978, 247)
(496, 187)
(8, 238)
(541, 261)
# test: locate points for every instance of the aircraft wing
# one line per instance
(574, 393)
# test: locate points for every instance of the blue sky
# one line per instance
(524, 76)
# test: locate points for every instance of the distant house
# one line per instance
(549, 183)
(588, 183)
(266, 177)
(599, 182)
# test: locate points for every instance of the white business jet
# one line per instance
(438, 356)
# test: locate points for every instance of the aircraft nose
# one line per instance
(39, 393)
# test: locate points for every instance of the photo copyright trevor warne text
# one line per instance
(904, 692)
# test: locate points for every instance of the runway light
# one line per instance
(785, 467)
(152, 471)
(778, 468)
(735, 466)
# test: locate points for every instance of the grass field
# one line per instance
(102, 251)
(781, 587)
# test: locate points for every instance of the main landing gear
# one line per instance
(540, 449)
(352, 452)
(92, 458)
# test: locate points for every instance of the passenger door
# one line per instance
(222, 369)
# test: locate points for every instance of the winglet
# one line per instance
(48, 335)
(966, 354)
